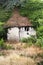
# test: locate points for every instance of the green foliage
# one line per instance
(40, 22)
(10, 4)
(40, 29)
(32, 40)
(4, 15)
(2, 45)
(2, 32)
(1, 23)
(34, 11)
(2, 1)
(40, 32)
(39, 43)
(25, 40)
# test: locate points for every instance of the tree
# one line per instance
(40, 32)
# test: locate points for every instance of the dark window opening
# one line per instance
(26, 28)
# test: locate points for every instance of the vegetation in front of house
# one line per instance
(4, 46)
(33, 41)
(33, 9)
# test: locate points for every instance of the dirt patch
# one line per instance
(14, 59)
(21, 55)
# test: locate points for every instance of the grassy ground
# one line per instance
(21, 55)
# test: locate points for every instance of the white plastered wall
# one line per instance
(13, 33)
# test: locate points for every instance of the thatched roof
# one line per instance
(17, 21)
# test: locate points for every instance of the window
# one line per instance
(26, 28)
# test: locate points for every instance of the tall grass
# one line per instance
(33, 41)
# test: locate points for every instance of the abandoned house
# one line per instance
(19, 27)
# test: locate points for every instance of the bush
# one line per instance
(4, 15)
(2, 45)
(39, 43)
(24, 40)
(31, 39)
(2, 31)
(40, 32)
(27, 41)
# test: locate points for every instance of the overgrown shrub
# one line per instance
(4, 46)
(29, 39)
(40, 32)
(39, 42)
(4, 15)
(24, 40)
(1, 31)
(33, 41)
